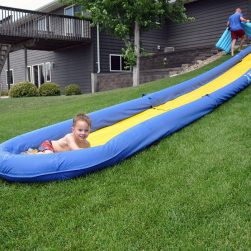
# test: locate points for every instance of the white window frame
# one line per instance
(33, 80)
(68, 7)
(49, 64)
(31, 76)
(121, 67)
(11, 70)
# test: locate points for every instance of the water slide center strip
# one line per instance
(103, 135)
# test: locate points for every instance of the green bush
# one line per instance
(72, 89)
(49, 89)
(23, 89)
(4, 93)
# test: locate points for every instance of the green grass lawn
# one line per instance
(191, 191)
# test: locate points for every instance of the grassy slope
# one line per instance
(190, 191)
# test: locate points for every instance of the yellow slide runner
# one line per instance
(103, 135)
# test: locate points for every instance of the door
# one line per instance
(38, 75)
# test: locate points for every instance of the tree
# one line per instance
(126, 18)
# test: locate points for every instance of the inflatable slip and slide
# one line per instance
(124, 129)
(225, 40)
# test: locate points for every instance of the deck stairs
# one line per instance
(163, 65)
(4, 51)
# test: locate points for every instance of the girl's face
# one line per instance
(81, 130)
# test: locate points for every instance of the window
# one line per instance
(38, 74)
(73, 26)
(117, 63)
(48, 71)
(9, 74)
(69, 23)
(69, 11)
(29, 76)
(43, 24)
(73, 10)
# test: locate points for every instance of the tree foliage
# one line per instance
(119, 16)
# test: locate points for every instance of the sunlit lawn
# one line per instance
(191, 191)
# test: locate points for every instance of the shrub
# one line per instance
(4, 93)
(49, 89)
(72, 89)
(23, 89)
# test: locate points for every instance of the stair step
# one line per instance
(4, 50)
(164, 60)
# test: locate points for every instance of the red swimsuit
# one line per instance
(46, 145)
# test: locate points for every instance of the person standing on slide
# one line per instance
(234, 23)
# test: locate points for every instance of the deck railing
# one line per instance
(31, 24)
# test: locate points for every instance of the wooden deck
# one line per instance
(38, 30)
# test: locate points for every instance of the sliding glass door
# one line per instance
(38, 74)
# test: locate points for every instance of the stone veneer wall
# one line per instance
(109, 81)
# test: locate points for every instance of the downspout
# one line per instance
(94, 77)
(8, 71)
(25, 64)
(98, 50)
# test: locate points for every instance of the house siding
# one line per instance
(210, 21)
(112, 45)
(203, 32)
(73, 65)
(17, 64)
(70, 65)
(154, 40)
(108, 45)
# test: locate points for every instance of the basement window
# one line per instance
(117, 63)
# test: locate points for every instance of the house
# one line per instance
(64, 49)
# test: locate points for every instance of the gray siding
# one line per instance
(59, 11)
(108, 45)
(111, 45)
(153, 39)
(73, 65)
(210, 21)
(17, 64)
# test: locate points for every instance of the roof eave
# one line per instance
(49, 7)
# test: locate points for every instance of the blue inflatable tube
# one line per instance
(60, 166)
(111, 115)
(224, 43)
